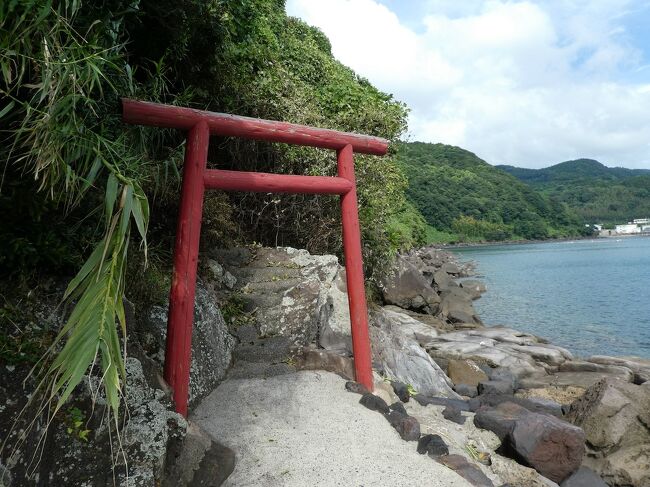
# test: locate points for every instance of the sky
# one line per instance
(527, 83)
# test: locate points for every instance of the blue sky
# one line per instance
(522, 82)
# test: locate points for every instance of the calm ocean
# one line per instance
(590, 296)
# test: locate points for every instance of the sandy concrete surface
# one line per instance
(304, 429)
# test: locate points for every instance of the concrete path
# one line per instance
(304, 429)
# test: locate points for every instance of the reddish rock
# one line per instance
(551, 446)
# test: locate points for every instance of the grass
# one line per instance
(434, 235)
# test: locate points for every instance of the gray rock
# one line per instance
(535, 406)
(451, 413)
(502, 374)
(399, 407)
(396, 350)
(433, 445)
(212, 344)
(443, 281)
(374, 403)
(584, 477)
(520, 353)
(495, 387)
(473, 287)
(565, 379)
(615, 416)
(456, 306)
(401, 390)
(291, 293)
(639, 366)
(466, 390)
(407, 426)
(334, 329)
(356, 387)
(200, 461)
(311, 359)
(425, 400)
(407, 288)
(450, 268)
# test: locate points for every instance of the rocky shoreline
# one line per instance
(427, 337)
(496, 405)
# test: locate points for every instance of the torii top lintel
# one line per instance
(157, 115)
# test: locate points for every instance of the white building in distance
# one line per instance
(628, 229)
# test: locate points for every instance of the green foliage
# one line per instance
(21, 344)
(407, 228)
(457, 192)
(597, 194)
(74, 421)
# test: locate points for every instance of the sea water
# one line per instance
(590, 296)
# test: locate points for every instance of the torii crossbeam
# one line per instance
(197, 178)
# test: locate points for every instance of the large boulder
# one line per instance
(615, 416)
(407, 288)
(551, 446)
(456, 306)
(212, 344)
(396, 350)
(291, 293)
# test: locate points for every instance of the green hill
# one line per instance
(595, 192)
(459, 193)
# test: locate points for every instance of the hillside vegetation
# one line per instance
(459, 193)
(595, 192)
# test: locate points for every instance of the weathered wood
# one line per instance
(354, 272)
(146, 113)
(178, 352)
(274, 183)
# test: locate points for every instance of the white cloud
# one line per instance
(518, 82)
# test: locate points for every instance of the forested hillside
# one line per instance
(597, 193)
(459, 193)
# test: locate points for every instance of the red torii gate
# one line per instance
(196, 178)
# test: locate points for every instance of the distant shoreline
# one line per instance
(524, 242)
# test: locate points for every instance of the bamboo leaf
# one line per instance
(111, 195)
(7, 109)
